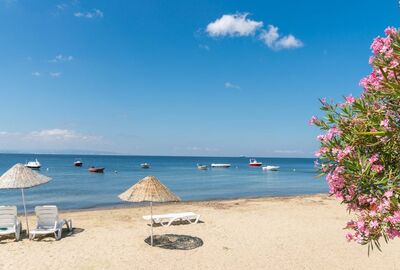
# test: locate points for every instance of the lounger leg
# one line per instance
(57, 234)
(18, 232)
(69, 224)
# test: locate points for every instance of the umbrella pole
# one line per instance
(26, 217)
(151, 217)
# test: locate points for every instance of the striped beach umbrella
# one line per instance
(21, 177)
(149, 189)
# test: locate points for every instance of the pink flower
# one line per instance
(376, 168)
(321, 151)
(371, 60)
(388, 194)
(390, 31)
(374, 158)
(377, 45)
(385, 123)
(350, 99)
(323, 100)
(374, 224)
(313, 120)
(316, 163)
(392, 233)
(349, 237)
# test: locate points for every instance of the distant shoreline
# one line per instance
(134, 155)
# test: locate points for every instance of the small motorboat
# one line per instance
(220, 165)
(270, 168)
(202, 167)
(145, 165)
(33, 164)
(78, 163)
(254, 163)
(96, 169)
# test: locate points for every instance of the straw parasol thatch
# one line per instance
(149, 189)
(19, 176)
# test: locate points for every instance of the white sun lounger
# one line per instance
(167, 219)
(48, 222)
(9, 223)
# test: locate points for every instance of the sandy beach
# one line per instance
(264, 233)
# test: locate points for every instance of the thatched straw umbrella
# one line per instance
(149, 189)
(22, 177)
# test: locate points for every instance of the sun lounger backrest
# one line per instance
(46, 215)
(8, 216)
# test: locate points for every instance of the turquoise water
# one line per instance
(76, 188)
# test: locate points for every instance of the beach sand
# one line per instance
(265, 233)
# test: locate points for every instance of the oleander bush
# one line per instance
(360, 147)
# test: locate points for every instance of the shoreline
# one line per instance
(127, 205)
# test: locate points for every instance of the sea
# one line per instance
(75, 188)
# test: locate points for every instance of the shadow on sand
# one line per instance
(175, 223)
(175, 241)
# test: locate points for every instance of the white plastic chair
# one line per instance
(48, 222)
(167, 219)
(9, 223)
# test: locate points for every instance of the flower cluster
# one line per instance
(360, 147)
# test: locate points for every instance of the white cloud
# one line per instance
(61, 58)
(61, 6)
(96, 13)
(231, 85)
(238, 25)
(56, 138)
(270, 36)
(233, 25)
(55, 74)
(36, 73)
(273, 40)
(288, 152)
(57, 134)
(201, 149)
(289, 42)
(9, 134)
(204, 47)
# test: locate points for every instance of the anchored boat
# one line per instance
(202, 167)
(220, 165)
(254, 163)
(33, 164)
(96, 169)
(145, 165)
(78, 163)
(270, 168)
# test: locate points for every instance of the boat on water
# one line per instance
(220, 165)
(33, 164)
(254, 163)
(270, 168)
(202, 167)
(96, 169)
(145, 165)
(78, 163)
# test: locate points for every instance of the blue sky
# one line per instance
(179, 77)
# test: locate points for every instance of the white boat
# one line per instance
(145, 165)
(220, 165)
(33, 164)
(202, 167)
(270, 168)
